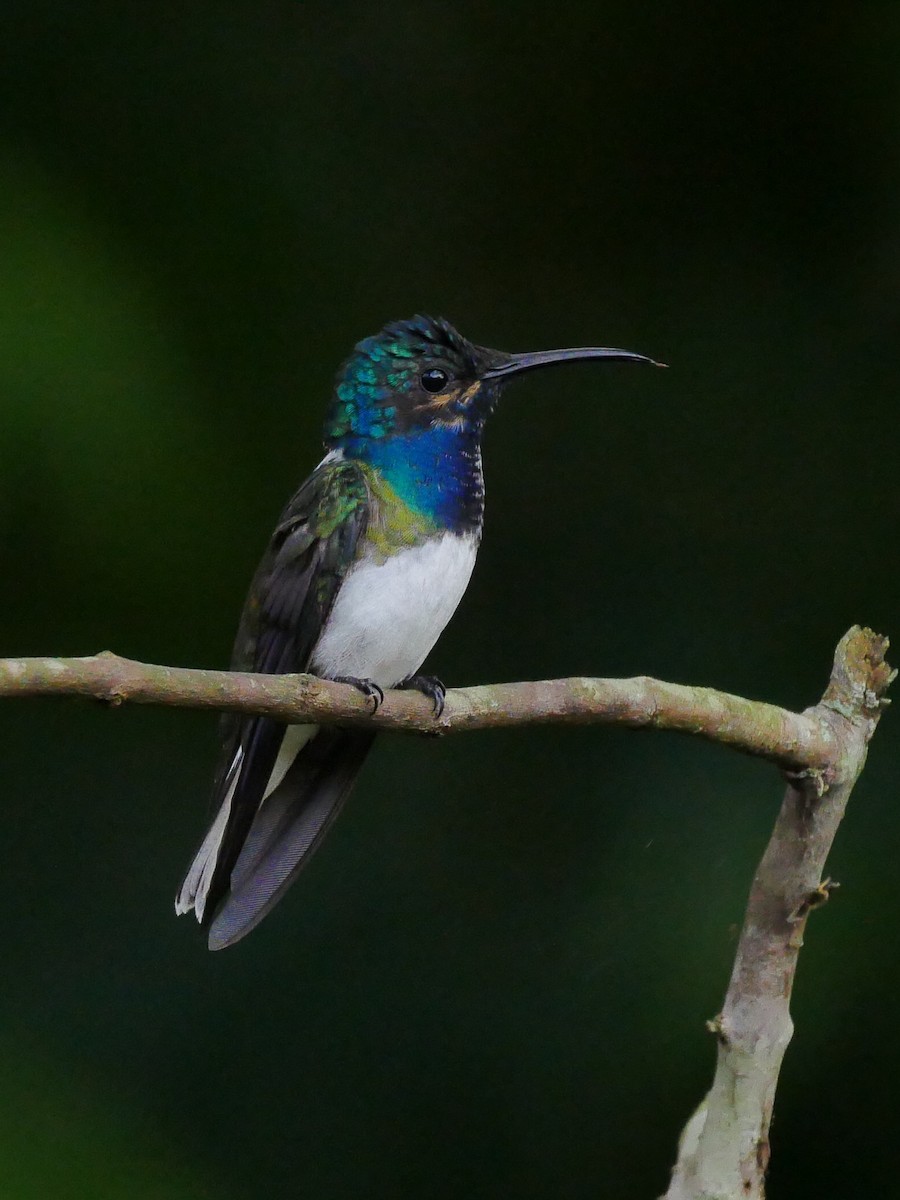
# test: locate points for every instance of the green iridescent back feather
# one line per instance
(315, 543)
(304, 564)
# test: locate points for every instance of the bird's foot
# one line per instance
(368, 687)
(428, 685)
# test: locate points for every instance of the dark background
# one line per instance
(493, 979)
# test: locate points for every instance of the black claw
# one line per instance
(368, 687)
(428, 685)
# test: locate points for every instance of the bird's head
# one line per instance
(422, 373)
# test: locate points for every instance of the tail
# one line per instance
(255, 848)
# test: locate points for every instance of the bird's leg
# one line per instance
(428, 685)
(368, 687)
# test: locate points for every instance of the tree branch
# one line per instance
(724, 1148)
(793, 740)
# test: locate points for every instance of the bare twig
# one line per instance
(791, 739)
(724, 1148)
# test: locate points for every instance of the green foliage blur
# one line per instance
(492, 981)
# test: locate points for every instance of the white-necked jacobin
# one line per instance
(366, 566)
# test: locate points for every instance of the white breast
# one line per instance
(388, 615)
(386, 618)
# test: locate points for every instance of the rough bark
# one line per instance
(790, 739)
(724, 1149)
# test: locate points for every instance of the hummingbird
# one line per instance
(366, 566)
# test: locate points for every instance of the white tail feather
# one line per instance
(295, 738)
(195, 888)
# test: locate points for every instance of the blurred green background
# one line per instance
(492, 981)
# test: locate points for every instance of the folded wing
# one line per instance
(279, 787)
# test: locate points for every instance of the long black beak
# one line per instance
(513, 364)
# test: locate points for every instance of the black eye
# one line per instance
(434, 379)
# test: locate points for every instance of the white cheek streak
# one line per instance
(388, 615)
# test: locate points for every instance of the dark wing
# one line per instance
(290, 598)
(287, 828)
(294, 588)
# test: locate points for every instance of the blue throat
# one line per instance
(436, 471)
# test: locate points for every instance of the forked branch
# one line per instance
(724, 1149)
